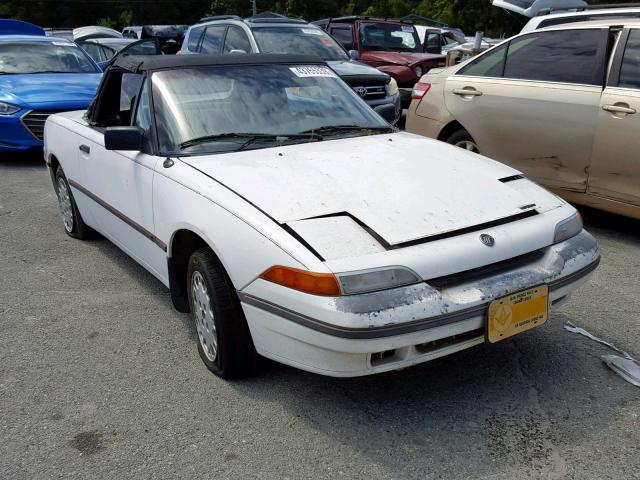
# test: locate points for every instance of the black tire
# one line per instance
(235, 355)
(461, 138)
(77, 228)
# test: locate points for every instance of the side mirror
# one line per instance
(354, 55)
(124, 138)
(238, 50)
(388, 112)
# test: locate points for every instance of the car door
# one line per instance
(533, 103)
(121, 183)
(615, 164)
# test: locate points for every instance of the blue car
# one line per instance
(39, 76)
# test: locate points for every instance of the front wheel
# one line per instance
(72, 221)
(224, 341)
(461, 138)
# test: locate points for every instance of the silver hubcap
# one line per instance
(468, 145)
(203, 315)
(64, 201)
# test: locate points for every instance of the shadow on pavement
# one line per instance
(514, 406)
(31, 158)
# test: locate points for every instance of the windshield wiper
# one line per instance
(251, 138)
(333, 129)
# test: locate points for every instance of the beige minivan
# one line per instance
(562, 105)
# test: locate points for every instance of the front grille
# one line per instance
(449, 281)
(34, 121)
(371, 92)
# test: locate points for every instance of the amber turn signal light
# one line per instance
(309, 282)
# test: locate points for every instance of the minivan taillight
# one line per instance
(420, 90)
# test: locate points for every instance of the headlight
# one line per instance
(8, 109)
(347, 283)
(568, 228)
(392, 87)
(418, 71)
(376, 279)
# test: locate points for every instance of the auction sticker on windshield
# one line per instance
(312, 71)
(517, 313)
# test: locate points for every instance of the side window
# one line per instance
(108, 52)
(129, 89)
(212, 41)
(630, 69)
(194, 38)
(490, 64)
(236, 39)
(115, 99)
(344, 35)
(432, 42)
(94, 51)
(142, 118)
(569, 56)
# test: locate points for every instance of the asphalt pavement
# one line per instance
(100, 378)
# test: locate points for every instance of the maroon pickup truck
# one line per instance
(392, 46)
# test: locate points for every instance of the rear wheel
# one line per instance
(224, 341)
(72, 221)
(461, 138)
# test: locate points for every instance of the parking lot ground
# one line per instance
(100, 378)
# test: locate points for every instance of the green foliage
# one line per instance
(107, 22)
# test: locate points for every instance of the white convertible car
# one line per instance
(294, 223)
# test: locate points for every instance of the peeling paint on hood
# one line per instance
(401, 186)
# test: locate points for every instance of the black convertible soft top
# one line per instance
(140, 63)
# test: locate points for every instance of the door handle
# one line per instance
(464, 92)
(85, 149)
(619, 108)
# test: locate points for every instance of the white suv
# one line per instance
(595, 12)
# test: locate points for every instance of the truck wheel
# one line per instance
(461, 138)
(72, 221)
(224, 341)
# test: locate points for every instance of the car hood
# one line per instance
(400, 186)
(355, 69)
(50, 90)
(399, 58)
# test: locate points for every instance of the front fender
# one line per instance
(244, 239)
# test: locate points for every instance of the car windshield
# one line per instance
(44, 57)
(221, 108)
(299, 39)
(389, 36)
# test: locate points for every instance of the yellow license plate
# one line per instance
(517, 313)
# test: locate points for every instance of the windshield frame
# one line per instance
(176, 152)
(416, 38)
(343, 53)
(60, 43)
